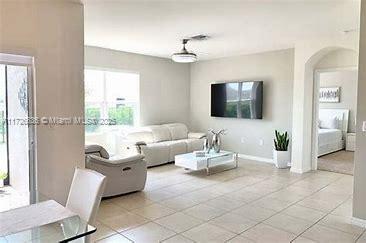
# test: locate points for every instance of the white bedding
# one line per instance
(328, 136)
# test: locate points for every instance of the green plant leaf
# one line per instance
(281, 141)
(3, 175)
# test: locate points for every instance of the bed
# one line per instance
(332, 130)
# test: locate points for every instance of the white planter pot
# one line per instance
(1, 183)
(281, 158)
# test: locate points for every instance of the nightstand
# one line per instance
(351, 142)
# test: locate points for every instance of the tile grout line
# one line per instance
(364, 231)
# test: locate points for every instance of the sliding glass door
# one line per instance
(16, 136)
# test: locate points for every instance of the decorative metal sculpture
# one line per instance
(206, 145)
(216, 139)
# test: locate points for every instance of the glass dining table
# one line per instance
(44, 221)
(64, 230)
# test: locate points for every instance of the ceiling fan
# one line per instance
(185, 56)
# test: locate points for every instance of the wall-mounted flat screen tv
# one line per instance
(237, 99)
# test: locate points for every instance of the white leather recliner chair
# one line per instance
(124, 174)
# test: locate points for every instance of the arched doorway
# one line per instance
(336, 72)
(306, 58)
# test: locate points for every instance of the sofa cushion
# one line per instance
(175, 147)
(193, 144)
(156, 153)
(160, 133)
(177, 130)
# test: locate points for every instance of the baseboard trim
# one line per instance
(256, 158)
(299, 170)
(296, 170)
(358, 222)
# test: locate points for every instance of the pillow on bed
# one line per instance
(331, 123)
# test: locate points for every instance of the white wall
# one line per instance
(53, 33)
(359, 192)
(164, 85)
(339, 59)
(275, 69)
(347, 81)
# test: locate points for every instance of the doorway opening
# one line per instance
(335, 103)
(17, 157)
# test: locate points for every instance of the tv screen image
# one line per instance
(237, 99)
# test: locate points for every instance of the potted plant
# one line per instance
(281, 155)
(3, 176)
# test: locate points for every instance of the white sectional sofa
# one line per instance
(160, 143)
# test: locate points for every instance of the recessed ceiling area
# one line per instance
(235, 27)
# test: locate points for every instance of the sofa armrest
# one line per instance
(114, 161)
(140, 143)
(197, 135)
(138, 146)
(134, 145)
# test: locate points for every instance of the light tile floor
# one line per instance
(253, 203)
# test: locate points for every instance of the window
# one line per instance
(110, 95)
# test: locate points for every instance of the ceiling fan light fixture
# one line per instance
(184, 56)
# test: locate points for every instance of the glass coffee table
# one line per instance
(212, 159)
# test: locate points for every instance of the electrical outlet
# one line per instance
(242, 140)
(261, 142)
(364, 126)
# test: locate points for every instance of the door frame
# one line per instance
(314, 146)
(27, 61)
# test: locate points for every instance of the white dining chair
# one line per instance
(85, 194)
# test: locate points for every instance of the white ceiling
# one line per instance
(236, 27)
